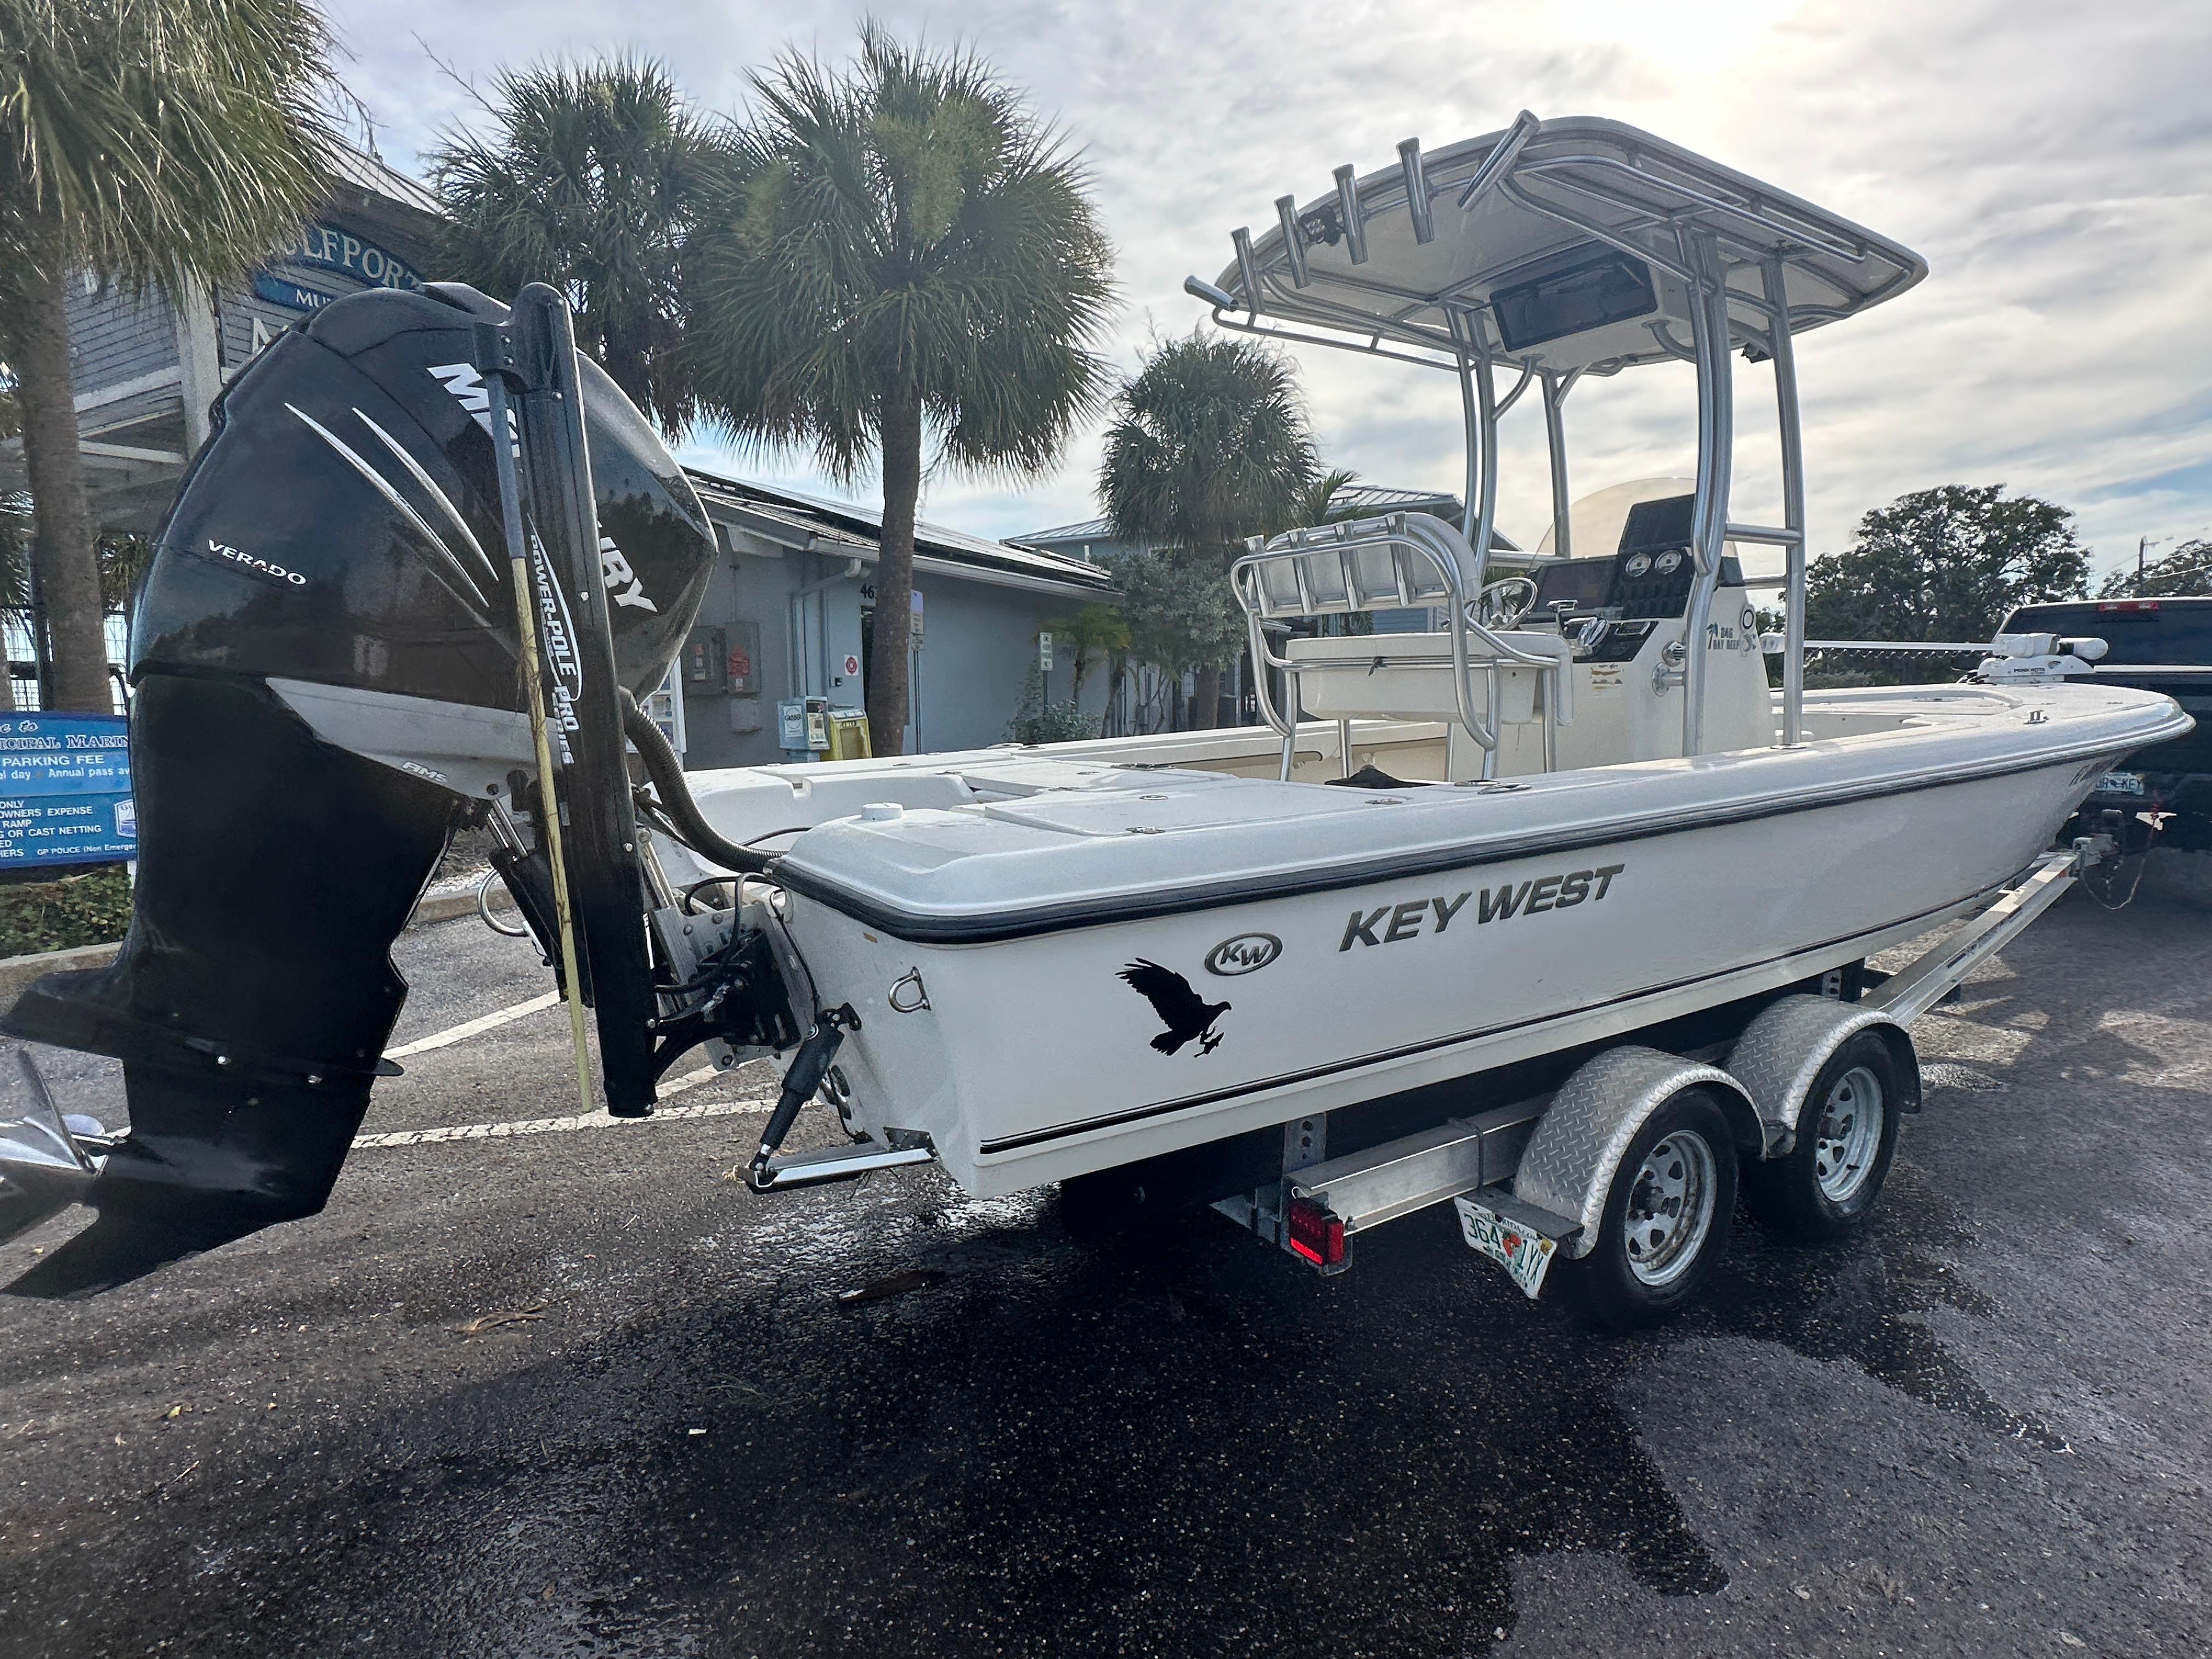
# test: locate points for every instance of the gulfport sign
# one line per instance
(331, 247)
(335, 249)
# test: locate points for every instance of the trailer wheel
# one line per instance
(1666, 1217)
(1824, 1187)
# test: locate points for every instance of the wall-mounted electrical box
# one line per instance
(706, 663)
(741, 659)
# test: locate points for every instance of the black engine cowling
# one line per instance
(336, 547)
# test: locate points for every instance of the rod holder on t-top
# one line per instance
(584, 821)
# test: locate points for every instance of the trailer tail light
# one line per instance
(2128, 605)
(1316, 1234)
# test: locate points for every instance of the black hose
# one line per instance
(667, 772)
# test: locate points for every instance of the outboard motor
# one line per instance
(325, 661)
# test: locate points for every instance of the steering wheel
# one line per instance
(1502, 602)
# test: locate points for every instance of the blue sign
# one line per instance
(293, 296)
(329, 247)
(66, 789)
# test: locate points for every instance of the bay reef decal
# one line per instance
(1393, 924)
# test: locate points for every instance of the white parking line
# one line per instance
(470, 1028)
(548, 1125)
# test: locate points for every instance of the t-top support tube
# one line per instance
(1784, 355)
(1478, 396)
(1477, 392)
(1716, 448)
(1555, 442)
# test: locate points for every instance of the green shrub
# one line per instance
(1036, 721)
(92, 908)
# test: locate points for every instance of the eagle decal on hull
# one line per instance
(1181, 1010)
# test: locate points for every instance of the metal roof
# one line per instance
(1362, 497)
(1414, 251)
(367, 173)
(854, 526)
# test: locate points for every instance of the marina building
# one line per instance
(790, 613)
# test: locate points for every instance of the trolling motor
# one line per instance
(367, 623)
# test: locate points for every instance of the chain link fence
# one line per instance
(25, 682)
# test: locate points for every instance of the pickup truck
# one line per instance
(2156, 644)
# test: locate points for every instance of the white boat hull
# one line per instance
(1035, 1033)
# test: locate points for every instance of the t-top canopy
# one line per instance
(1565, 244)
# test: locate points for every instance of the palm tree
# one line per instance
(1209, 444)
(900, 251)
(589, 180)
(1317, 504)
(163, 146)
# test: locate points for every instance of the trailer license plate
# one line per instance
(2121, 783)
(1525, 1256)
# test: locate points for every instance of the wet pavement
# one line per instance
(579, 1394)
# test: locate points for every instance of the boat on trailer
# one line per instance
(1532, 910)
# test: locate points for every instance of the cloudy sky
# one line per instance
(2053, 162)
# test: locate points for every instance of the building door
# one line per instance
(912, 745)
(809, 644)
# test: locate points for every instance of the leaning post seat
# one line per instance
(1479, 677)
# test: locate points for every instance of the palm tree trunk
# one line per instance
(1205, 706)
(887, 662)
(62, 547)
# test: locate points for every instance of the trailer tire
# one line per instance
(1666, 1217)
(1825, 1185)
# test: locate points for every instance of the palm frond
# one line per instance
(160, 143)
(1210, 444)
(589, 178)
(900, 228)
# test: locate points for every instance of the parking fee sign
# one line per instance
(66, 789)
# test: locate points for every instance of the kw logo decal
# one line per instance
(1248, 953)
(1393, 924)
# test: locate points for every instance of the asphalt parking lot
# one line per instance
(578, 1393)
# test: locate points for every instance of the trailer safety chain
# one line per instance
(2102, 891)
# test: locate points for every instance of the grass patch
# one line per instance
(92, 908)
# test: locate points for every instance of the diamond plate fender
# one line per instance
(1782, 1051)
(1569, 1165)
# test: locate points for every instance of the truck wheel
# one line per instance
(1824, 1187)
(1666, 1217)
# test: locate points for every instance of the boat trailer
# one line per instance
(1537, 1180)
